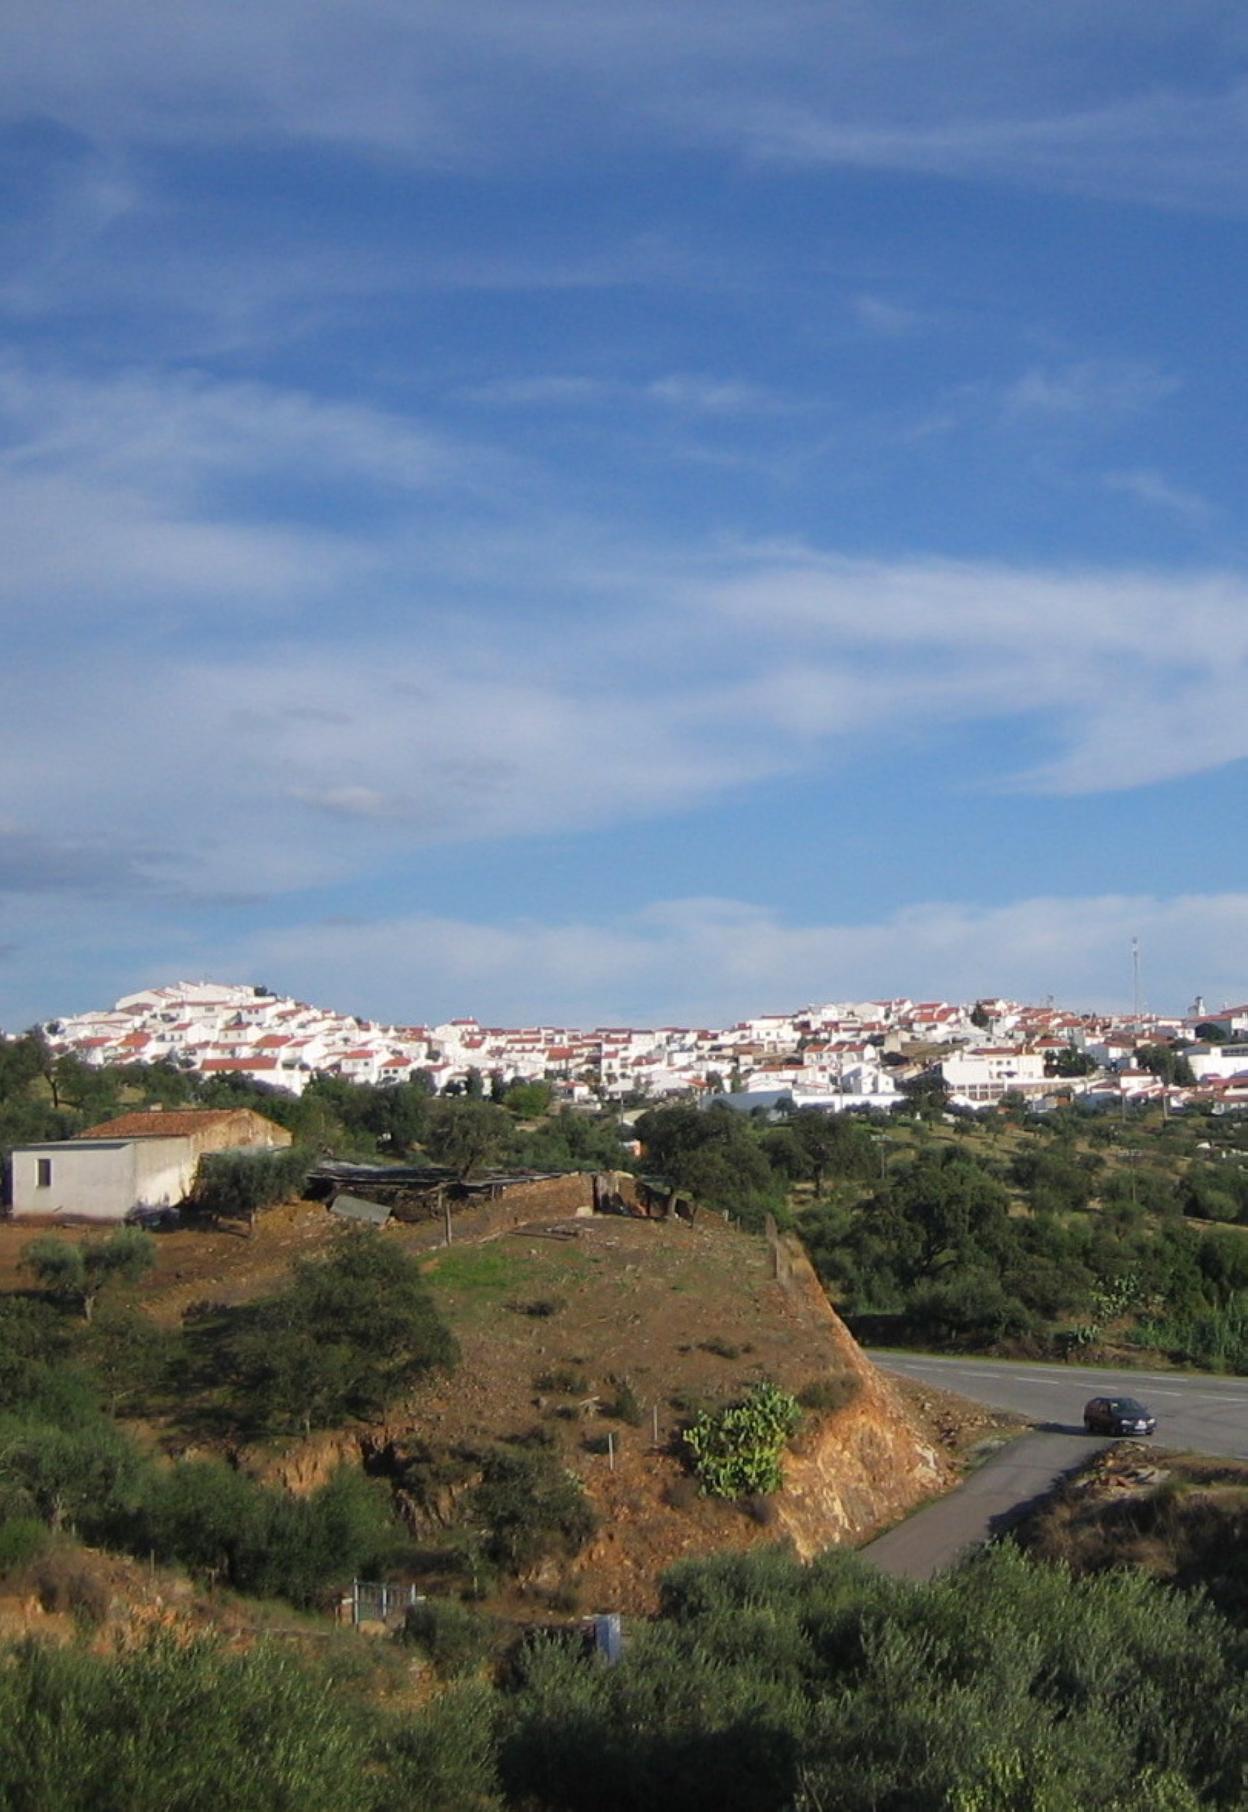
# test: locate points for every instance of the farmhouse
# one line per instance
(141, 1160)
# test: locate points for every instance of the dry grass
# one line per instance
(1188, 1528)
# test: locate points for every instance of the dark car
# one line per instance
(1118, 1416)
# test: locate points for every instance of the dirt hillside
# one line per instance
(553, 1320)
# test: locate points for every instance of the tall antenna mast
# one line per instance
(1135, 979)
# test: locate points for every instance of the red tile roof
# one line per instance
(161, 1123)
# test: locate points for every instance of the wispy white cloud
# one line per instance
(1047, 98)
(890, 320)
(135, 491)
(681, 392)
(1091, 388)
(402, 744)
(1167, 146)
(513, 671)
(1073, 399)
(1133, 673)
(714, 396)
(170, 432)
(481, 732)
(709, 961)
(1157, 492)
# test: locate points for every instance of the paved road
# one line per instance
(1194, 1411)
(1204, 1414)
(990, 1500)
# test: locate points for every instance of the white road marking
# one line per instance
(1222, 1392)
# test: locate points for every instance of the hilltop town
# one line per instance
(844, 1054)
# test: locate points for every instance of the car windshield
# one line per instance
(1127, 1406)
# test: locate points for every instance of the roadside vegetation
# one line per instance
(1181, 1519)
(761, 1686)
(1066, 1235)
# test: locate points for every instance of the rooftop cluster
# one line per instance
(841, 1054)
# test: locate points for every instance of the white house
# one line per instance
(986, 1074)
(1218, 1060)
(1231, 1020)
(139, 1160)
(268, 1070)
(100, 1179)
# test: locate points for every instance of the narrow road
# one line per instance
(1195, 1412)
(990, 1500)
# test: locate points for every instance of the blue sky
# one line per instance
(567, 512)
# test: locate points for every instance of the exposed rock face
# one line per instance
(311, 1463)
(861, 1467)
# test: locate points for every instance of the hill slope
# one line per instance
(585, 1328)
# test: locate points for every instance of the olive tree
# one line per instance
(79, 1272)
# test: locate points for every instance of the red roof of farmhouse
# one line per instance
(160, 1123)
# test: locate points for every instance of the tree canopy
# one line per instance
(78, 1273)
(346, 1336)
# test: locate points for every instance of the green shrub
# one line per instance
(622, 1403)
(78, 1273)
(563, 1380)
(222, 1524)
(537, 1435)
(176, 1726)
(531, 1508)
(22, 1539)
(528, 1100)
(236, 1185)
(541, 1308)
(66, 1579)
(348, 1334)
(83, 1475)
(441, 1759)
(736, 1450)
(450, 1635)
(681, 1494)
(829, 1393)
(129, 1356)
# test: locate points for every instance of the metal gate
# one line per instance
(372, 1602)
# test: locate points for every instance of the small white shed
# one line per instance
(100, 1179)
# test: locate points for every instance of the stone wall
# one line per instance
(516, 1205)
